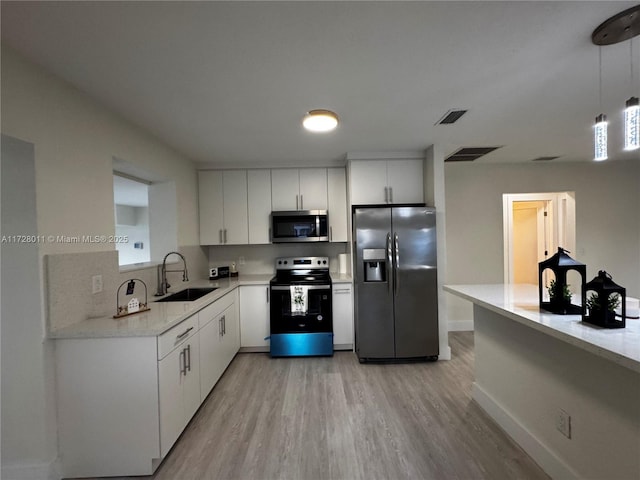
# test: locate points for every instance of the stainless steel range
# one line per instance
(301, 312)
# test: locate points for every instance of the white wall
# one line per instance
(75, 142)
(607, 196)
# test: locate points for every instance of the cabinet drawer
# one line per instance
(176, 336)
(216, 308)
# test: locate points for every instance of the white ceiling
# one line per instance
(229, 82)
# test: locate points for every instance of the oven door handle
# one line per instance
(309, 287)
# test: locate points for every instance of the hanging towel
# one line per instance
(299, 299)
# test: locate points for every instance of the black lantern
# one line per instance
(603, 297)
(559, 294)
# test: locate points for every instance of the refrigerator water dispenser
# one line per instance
(374, 265)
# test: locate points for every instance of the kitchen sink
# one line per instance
(187, 295)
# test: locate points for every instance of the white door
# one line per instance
(210, 206)
(259, 205)
(210, 352)
(313, 189)
(405, 179)
(553, 230)
(236, 225)
(254, 315)
(337, 204)
(285, 189)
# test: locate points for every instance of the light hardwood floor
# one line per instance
(333, 418)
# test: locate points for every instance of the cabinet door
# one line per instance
(231, 330)
(337, 204)
(285, 189)
(210, 355)
(236, 224)
(406, 180)
(368, 181)
(210, 196)
(170, 380)
(313, 189)
(259, 206)
(254, 315)
(191, 383)
(342, 315)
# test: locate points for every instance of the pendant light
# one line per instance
(621, 27)
(600, 139)
(632, 115)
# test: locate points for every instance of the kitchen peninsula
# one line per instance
(567, 392)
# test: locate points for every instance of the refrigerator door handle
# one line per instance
(396, 282)
(389, 261)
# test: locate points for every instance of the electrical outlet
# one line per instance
(96, 282)
(241, 261)
(563, 423)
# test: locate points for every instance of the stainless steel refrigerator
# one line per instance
(396, 283)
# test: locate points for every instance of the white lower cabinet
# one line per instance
(123, 401)
(178, 390)
(254, 317)
(342, 316)
(219, 340)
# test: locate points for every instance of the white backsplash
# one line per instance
(68, 278)
(260, 259)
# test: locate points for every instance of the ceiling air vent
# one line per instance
(451, 116)
(544, 159)
(468, 154)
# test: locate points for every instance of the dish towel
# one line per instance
(299, 299)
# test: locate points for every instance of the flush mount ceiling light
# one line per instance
(320, 121)
(623, 26)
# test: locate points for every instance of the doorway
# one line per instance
(535, 225)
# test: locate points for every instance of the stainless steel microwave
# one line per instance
(299, 226)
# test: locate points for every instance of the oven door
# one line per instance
(317, 318)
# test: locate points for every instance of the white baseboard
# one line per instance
(460, 325)
(543, 456)
(35, 471)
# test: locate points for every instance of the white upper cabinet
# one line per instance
(259, 202)
(299, 189)
(223, 207)
(337, 204)
(383, 182)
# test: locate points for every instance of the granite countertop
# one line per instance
(520, 303)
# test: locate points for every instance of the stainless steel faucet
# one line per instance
(163, 285)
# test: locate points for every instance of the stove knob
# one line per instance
(324, 261)
(285, 262)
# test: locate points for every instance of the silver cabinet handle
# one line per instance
(183, 362)
(390, 194)
(297, 203)
(396, 280)
(183, 334)
(389, 260)
(330, 233)
(225, 236)
(301, 202)
(224, 325)
(267, 289)
(220, 235)
(220, 327)
(386, 194)
(188, 365)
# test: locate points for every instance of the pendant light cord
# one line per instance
(600, 76)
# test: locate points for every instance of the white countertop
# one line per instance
(520, 303)
(165, 315)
